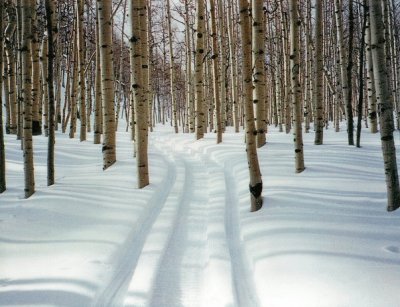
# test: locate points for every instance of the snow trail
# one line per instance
(179, 278)
(113, 293)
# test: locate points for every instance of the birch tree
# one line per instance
(139, 83)
(28, 6)
(318, 92)
(295, 85)
(385, 106)
(107, 81)
(259, 70)
(255, 185)
(199, 58)
(2, 149)
(81, 67)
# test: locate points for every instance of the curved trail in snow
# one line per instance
(188, 250)
(126, 258)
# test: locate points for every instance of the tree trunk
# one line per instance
(81, 67)
(36, 97)
(255, 185)
(172, 71)
(107, 82)
(98, 114)
(199, 58)
(295, 86)
(318, 88)
(2, 149)
(385, 106)
(259, 70)
(28, 6)
(51, 32)
(139, 81)
(215, 58)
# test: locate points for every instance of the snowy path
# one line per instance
(322, 238)
(192, 265)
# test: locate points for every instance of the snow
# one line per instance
(322, 238)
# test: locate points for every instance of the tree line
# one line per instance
(200, 66)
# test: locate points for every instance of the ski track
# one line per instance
(188, 250)
(178, 281)
(127, 257)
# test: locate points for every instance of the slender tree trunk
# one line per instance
(28, 6)
(199, 58)
(107, 82)
(36, 99)
(251, 132)
(81, 67)
(2, 149)
(11, 69)
(259, 70)
(346, 91)
(44, 62)
(318, 92)
(139, 63)
(215, 58)
(98, 114)
(51, 32)
(233, 64)
(172, 71)
(385, 105)
(295, 86)
(372, 112)
(361, 76)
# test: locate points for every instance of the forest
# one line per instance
(225, 113)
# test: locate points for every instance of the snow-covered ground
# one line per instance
(322, 238)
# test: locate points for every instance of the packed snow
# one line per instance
(322, 237)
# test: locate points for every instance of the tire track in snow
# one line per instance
(178, 281)
(242, 277)
(128, 254)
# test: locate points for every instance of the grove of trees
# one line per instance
(200, 66)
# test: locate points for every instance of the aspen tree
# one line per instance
(139, 66)
(74, 92)
(233, 66)
(107, 82)
(215, 63)
(318, 97)
(172, 70)
(189, 77)
(259, 71)
(11, 66)
(2, 149)
(36, 98)
(51, 32)
(27, 8)
(295, 86)
(346, 93)
(44, 66)
(385, 106)
(255, 185)
(223, 67)
(98, 114)
(372, 112)
(199, 59)
(81, 67)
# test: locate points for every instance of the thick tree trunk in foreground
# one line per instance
(251, 132)
(107, 82)
(385, 107)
